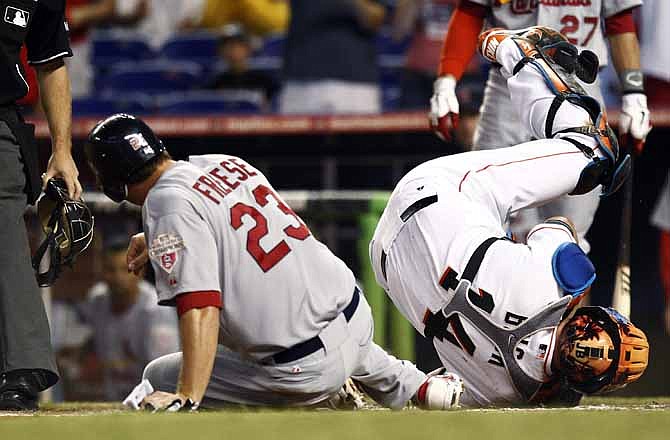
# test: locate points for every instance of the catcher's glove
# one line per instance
(68, 225)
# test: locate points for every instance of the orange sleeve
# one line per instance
(461, 40)
(664, 262)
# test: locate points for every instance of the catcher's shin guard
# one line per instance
(559, 63)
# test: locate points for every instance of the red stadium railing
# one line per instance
(175, 126)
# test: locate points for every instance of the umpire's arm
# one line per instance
(57, 103)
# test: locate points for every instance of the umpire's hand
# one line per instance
(62, 165)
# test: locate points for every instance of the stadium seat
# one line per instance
(209, 102)
(391, 53)
(109, 50)
(390, 86)
(101, 106)
(200, 47)
(272, 46)
(157, 76)
(270, 55)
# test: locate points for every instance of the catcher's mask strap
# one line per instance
(46, 279)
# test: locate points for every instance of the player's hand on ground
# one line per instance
(444, 107)
(137, 255)
(62, 165)
(634, 121)
(162, 401)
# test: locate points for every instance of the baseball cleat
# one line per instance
(18, 393)
(440, 391)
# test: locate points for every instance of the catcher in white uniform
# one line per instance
(267, 314)
(585, 23)
(503, 315)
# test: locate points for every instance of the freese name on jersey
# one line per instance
(224, 180)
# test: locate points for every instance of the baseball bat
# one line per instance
(621, 294)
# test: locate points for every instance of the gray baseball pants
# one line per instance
(25, 341)
(307, 381)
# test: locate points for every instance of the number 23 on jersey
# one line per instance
(266, 260)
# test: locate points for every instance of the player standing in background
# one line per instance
(504, 315)
(655, 15)
(582, 22)
(267, 314)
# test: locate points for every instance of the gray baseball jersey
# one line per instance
(579, 20)
(216, 225)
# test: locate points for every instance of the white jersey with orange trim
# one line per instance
(444, 209)
(475, 192)
(217, 225)
(582, 21)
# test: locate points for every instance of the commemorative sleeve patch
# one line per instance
(165, 250)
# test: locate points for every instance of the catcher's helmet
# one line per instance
(601, 350)
(117, 148)
(68, 225)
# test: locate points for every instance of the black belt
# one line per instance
(9, 113)
(305, 348)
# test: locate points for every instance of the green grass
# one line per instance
(621, 418)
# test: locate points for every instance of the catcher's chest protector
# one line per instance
(506, 340)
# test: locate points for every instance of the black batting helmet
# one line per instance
(117, 148)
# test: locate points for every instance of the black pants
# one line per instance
(25, 340)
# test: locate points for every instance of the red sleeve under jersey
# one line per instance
(620, 23)
(198, 300)
(461, 40)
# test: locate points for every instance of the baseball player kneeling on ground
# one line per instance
(504, 315)
(267, 314)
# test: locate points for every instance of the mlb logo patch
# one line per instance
(137, 141)
(17, 16)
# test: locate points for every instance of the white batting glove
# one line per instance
(440, 391)
(444, 107)
(634, 123)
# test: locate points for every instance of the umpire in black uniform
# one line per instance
(27, 363)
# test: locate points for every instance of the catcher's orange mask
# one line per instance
(601, 350)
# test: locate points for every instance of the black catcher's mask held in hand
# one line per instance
(68, 225)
